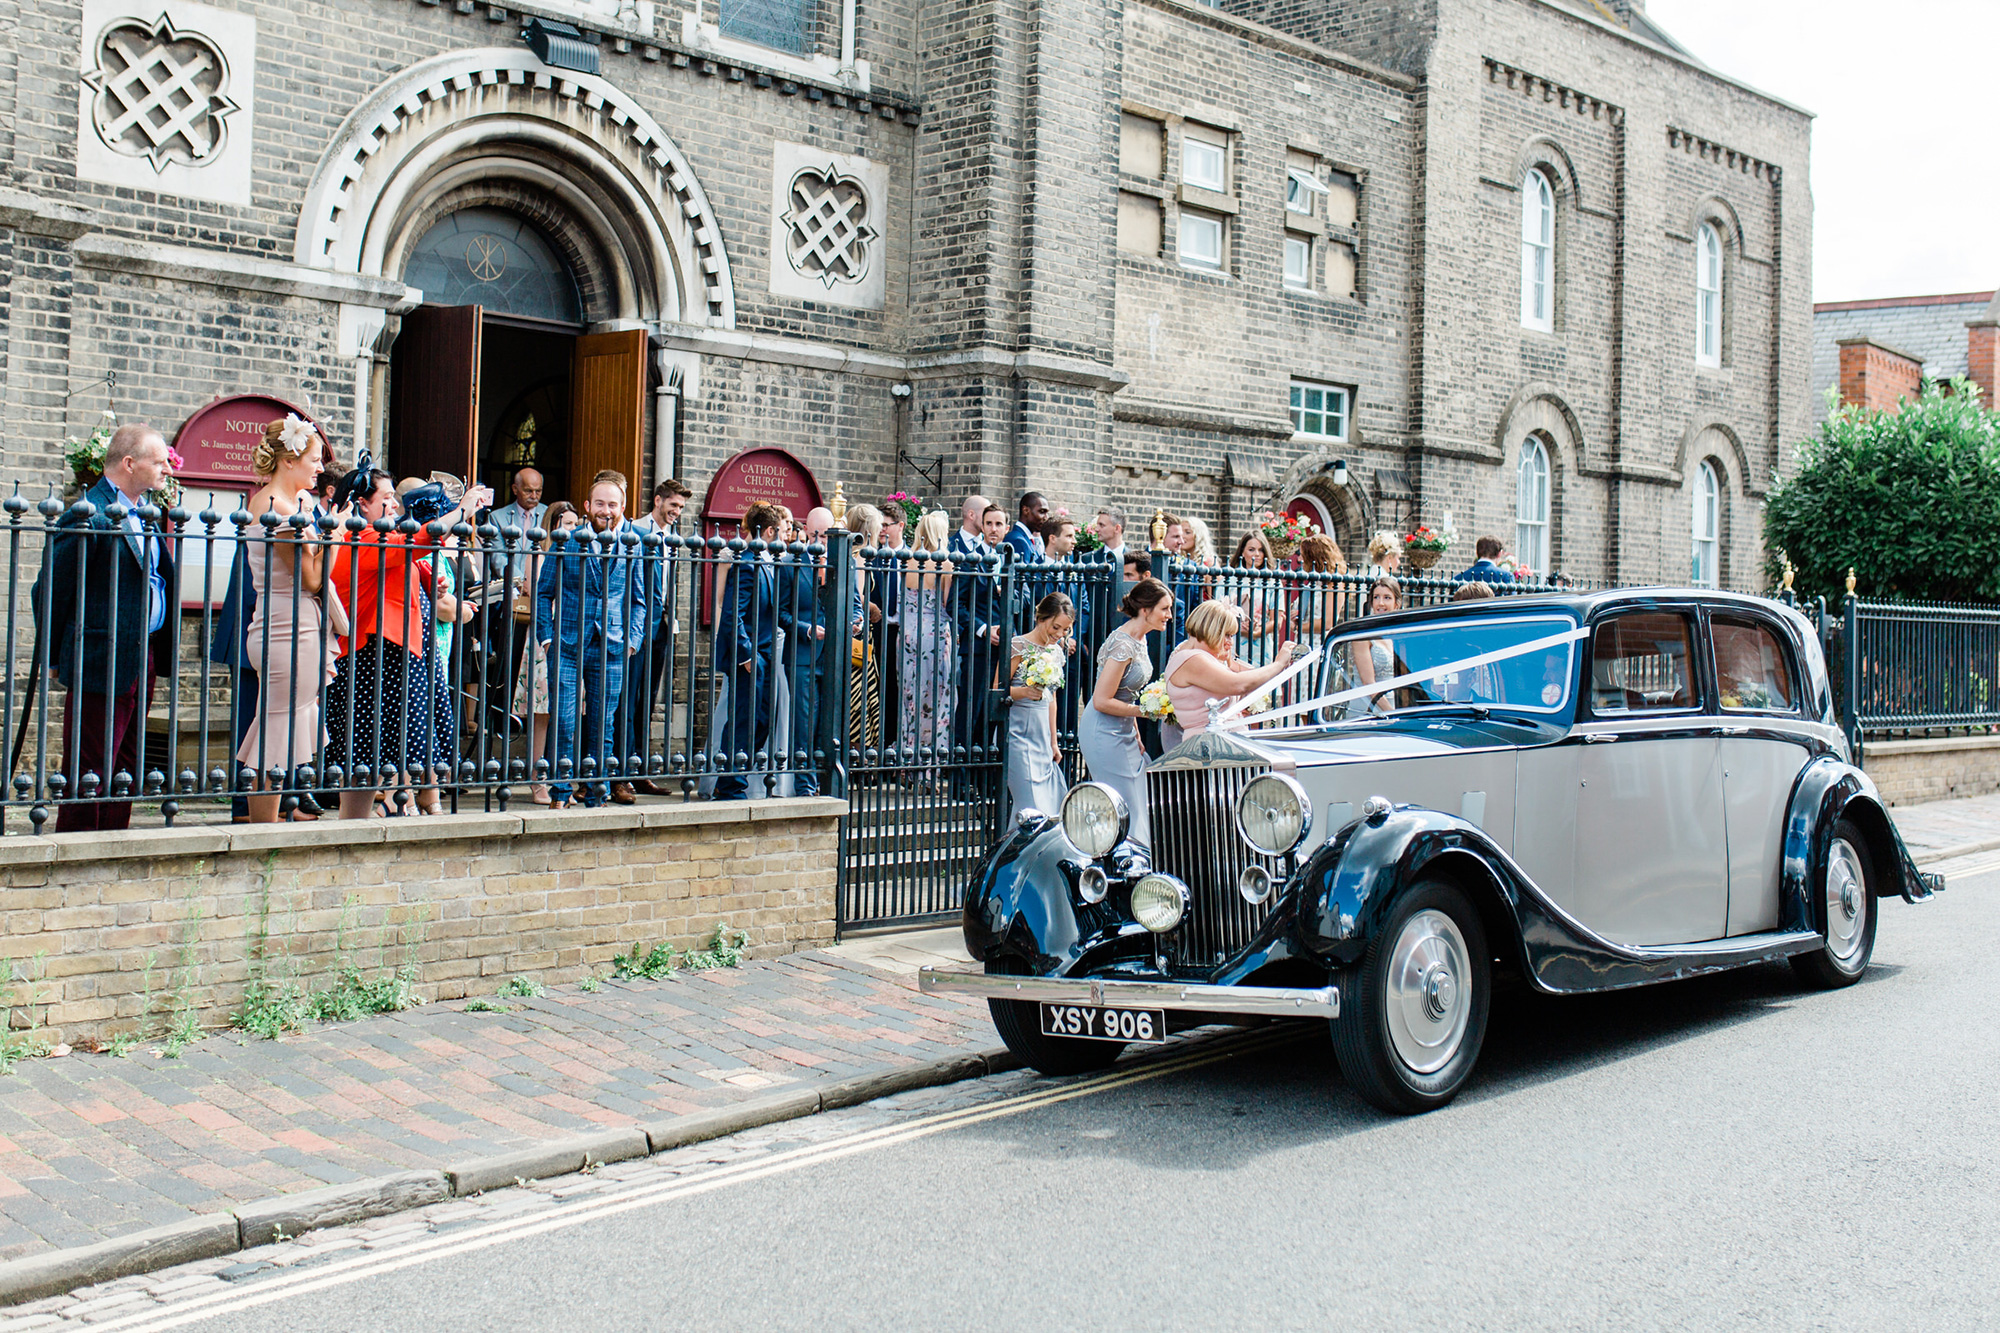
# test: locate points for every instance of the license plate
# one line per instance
(1102, 1022)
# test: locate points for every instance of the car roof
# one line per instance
(1581, 605)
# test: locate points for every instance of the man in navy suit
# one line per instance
(744, 644)
(802, 611)
(1482, 569)
(103, 610)
(981, 619)
(1026, 534)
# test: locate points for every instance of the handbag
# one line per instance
(336, 611)
(858, 652)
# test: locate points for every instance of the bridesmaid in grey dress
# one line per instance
(1034, 772)
(1108, 730)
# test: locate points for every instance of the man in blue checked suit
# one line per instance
(584, 595)
(746, 624)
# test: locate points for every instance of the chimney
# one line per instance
(1982, 350)
(1875, 375)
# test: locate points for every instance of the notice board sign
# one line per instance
(217, 441)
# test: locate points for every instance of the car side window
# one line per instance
(1752, 669)
(1642, 661)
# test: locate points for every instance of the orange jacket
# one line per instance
(376, 576)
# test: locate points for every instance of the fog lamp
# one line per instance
(1159, 902)
(1254, 884)
(1092, 884)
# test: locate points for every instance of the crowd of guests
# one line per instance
(362, 651)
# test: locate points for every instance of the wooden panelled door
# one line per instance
(434, 394)
(608, 414)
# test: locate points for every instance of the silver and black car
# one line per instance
(1587, 792)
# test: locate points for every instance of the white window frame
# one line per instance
(1197, 149)
(1707, 296)
(1298, 278)
(1302, 411)
(1707, 562)
(1195, 224)
(1531, 506)
(1301, 186)
(1538, 251)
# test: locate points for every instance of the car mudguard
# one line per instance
(1827, 791)
(1022, 905)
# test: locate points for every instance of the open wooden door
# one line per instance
(434, 392)
(608, 413)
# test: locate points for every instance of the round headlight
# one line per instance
(1092, 884)
(1159, 902)
(1094, 818)
(1273, 814)
(1254, 884)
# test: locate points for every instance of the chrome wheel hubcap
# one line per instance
(1427, 1006)
(1846, 902)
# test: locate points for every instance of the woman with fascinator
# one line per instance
(286, 642)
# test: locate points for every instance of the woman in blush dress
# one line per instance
(1108, 730)
(1259, 593)
(1374, 660)
(928, 659)
(1034, 763)
(1204, 669)
(287, 641)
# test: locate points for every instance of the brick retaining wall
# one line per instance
(116, 933)
(1906, 772)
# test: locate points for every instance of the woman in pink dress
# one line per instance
(1205, 668)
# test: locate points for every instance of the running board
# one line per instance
(1642, 965)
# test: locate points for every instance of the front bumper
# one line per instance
(1260, 1001)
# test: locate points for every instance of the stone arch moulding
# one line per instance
(1714, 208)
(1539, 409)
(1312, 474)
(1542, 151)
(499, 111)
(1714, 439)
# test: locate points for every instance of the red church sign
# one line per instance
(216, 442)
(753, 475)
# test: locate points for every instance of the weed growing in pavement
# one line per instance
(525, 987)
(183, 1024)
(590, 985)
(483, 1006)
(725, 949)
(18, 1046)
(121, 1043)
(649, 967)
(275, 1006)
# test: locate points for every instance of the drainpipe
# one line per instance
(666, 418)
(847, 71)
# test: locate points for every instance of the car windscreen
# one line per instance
(1520, 664)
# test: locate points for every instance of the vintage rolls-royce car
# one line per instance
(1587, 792)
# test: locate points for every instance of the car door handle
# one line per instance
(1599, 737)
(1736, 731)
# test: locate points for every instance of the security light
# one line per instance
(560, 46)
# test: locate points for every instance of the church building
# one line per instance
(1526, 262)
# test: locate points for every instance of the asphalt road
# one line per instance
(1733, 1152)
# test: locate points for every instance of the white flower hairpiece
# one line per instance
(296, 435)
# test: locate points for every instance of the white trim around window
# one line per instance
(1707, 565)
(1538, 252)
(1205, 159)
(1298, 263)
(1319, 411)
(1707, 296)
(1201, 237)
(1531, 506)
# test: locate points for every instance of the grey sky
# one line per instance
(1904, 191)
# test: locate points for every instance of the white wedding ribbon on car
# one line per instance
(1237, 722)
(1270, 687)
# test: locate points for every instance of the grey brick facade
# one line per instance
(1037, 351)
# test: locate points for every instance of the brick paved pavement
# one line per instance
(96, 1146)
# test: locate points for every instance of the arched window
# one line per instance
(1538, 251)
(1531, 507)
(496, 259)
(1707, 296)
(1707, 527)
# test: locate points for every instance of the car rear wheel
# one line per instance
(1019, 1023)
(1413, 1011)
(1846, 914)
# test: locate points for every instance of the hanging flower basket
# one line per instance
(1424, 547)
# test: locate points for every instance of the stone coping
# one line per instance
(219, 840)
(1927, 745)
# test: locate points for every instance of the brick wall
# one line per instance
(1910, 772)
(112, 931)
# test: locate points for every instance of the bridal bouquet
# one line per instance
(1156, 703)
(1044, 667)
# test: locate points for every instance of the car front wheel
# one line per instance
(1019, 1023)
(1413, 1011)
(1846, 914)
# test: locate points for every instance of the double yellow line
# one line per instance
(341, 1272)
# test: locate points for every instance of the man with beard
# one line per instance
(584, 595)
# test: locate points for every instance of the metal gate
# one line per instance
(926, 746)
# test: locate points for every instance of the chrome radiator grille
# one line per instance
(1193, 817)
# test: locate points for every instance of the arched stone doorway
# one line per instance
(550, 224)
